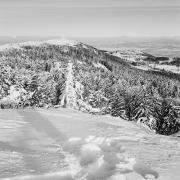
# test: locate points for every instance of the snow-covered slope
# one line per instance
(68, 145)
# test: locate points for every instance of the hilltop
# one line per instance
(65, 73)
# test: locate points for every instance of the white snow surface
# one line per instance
(94, 148)
(99, 65)
(69, 99)
(96, 158)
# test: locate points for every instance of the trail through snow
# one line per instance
(69, 98)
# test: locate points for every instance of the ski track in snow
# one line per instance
(70, 94)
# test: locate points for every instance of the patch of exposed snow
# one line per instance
(145, 68)
(99, 65)
(79, 62)
(95, 51)
(15, 93)
(144, 122)
(170, 68)
(170, 60)
(84, 46)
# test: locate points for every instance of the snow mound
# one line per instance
(99, 65)
(144, 170)
(105, 158)
(90, 153)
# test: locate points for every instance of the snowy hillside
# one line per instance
(64, 73)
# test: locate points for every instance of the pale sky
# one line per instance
(90, 18)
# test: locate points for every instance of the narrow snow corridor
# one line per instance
(69, 98)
